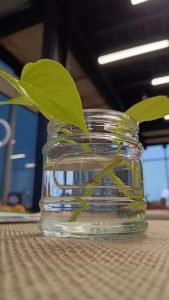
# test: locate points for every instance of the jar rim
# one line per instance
(110, 112)
(105, 114)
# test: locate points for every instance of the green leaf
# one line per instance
(21, 101)
(13, 81)
(48, 86)
(25, 99)
(149, 109)
(18, 100)
(51, 88)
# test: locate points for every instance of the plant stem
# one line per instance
(89, 191)
(106, 171)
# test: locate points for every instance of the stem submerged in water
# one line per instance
(106, 171)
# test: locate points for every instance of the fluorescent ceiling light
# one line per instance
(166, 117)
(134, 2)
(17, 156)
(160, 80)
(104, 59)
(30, 165)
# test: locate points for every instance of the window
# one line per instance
(19, 179)
(156, 173)
(24, 143)
(4, 114)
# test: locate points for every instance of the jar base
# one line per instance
(110, 230)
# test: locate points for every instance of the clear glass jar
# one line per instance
(92, 184)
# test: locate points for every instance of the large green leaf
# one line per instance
(48, 86)
(22, 101)
(51, 87)
(18, 100)
(13, 81)
(149, 109)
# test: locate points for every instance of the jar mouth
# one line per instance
(111, 114)
(104, 115)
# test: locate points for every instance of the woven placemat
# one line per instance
(157, 214)
(35, 267)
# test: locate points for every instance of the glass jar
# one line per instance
(92, 184)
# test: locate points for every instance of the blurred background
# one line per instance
(94, 40)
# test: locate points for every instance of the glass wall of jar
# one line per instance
(92, 183)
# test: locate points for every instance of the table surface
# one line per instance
(43, 268)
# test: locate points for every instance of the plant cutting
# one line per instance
(92, 183)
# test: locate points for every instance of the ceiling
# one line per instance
(95, 28)
(11, 6)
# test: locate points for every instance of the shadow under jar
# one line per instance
(92, 183)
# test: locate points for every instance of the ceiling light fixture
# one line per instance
(30, 165)
(17, 156)
(104, 59)
(166, 117)
(160, 80)
(134, 2)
